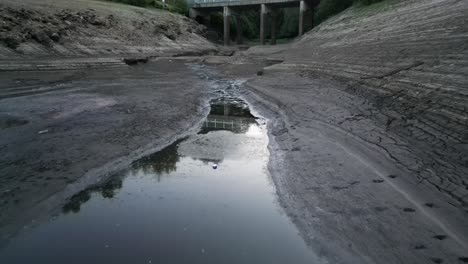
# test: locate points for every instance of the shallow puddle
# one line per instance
(205, 199)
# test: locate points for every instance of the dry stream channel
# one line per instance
(205, 199)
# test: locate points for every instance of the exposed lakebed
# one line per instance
(205, 199)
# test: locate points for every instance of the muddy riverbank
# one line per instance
(76, 127)
(350, 201)
(366, 127)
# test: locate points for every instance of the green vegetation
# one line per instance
(288, 17)
(249, 21)
(328, 8)
(176, 6)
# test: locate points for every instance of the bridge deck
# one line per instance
(221, 3)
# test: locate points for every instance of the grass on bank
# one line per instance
(328, 8)
(176, 6)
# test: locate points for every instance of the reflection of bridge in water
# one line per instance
(230, 123)
(228, 116)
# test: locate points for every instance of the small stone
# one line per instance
(55, 37)
(215, 166)
(440, 237)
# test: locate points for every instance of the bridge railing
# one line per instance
(195, 2)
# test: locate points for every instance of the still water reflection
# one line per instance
(174, 207)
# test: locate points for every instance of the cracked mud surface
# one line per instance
(368, 116)
(342, 186)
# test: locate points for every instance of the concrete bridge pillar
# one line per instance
(200, 16)
(227, 25)
(303, 7)
(263, 16)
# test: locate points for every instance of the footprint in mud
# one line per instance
(377, 181)
(409, 210)
(345, 187)
(437, 260)
(419, 247)
(380, 208)
(440, 237)
(392, 176)
(296, 149)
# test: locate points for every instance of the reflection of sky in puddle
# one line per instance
(173, 207)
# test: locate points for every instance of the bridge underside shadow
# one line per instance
(201, 10)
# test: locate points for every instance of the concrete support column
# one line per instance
(302, 12)
(200, 16)
(263, 17)
(273, 16)
(193, 13)
(227, 25)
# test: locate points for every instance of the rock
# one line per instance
(11, 42)
(55, 37)
(226, 52)
(171, 35)
(135, 61)
(41, 36)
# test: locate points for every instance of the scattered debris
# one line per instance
(419, 247)
(135, 61)
(440, 237)
(409, 210)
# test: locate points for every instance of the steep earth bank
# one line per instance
(85, 28)
(370, 118)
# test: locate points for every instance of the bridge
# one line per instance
(268, 10)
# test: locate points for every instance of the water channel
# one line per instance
(205, 199)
